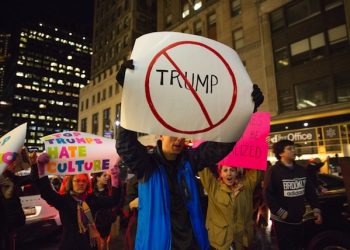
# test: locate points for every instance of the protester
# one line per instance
(230, 206)
(169, 209)
(106, 216)
(11, 213)
(76, 205)
(286, 188)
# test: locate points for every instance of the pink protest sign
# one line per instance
(251, 150)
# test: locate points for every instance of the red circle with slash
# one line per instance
(212, 125)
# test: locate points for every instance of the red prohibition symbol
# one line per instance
(211, 125)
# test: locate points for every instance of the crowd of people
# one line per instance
(162, 206)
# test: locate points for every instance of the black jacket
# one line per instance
(67, 207)
(286, 189)
(143, 164)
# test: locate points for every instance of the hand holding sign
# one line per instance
(10, 145)
(77, 152)
(209, 92)
(251, 150)
(121, 73)
(42, 160)
(257, 96)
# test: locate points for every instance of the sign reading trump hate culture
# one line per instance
(251, 150)
(11, 144)
(186, 85)
(77, 152)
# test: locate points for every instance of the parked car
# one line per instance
(334, 232)
(41, 218)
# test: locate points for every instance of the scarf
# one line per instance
(85, 220)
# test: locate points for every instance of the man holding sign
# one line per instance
(170, 215)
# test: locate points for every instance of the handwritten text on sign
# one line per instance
(186, 85)
(78, 152)
(10, 144)
(251, 150)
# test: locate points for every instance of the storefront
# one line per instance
(316, 142)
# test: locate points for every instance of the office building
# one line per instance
(296, 51)
(117, 24)
(48, 67)
(4, 56)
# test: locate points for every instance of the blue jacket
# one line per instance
(167, 187)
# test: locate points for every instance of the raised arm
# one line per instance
(209, 154)
(133, 153)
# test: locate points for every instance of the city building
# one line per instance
(296, 51)
(48, 67)
(4, 56)
(117, 24)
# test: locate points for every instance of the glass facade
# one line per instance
(50, 66)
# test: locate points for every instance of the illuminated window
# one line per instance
(185, 9)
(338, 37)
(235, 7)
(42, 106)
(197, 4)
(281, 58)
(238, 41)
(312, 94)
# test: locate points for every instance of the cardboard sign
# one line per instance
(11, 144)
(77, 152)
(252, 149)
(186, 85)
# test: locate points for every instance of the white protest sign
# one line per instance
(186, 85)
(11, 144)
(77, 152)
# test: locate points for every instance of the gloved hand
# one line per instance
(42, 160)
(121, 73)
(115, 175)
(257, 96)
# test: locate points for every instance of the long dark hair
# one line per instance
(107, 187)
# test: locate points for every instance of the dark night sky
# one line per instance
(74, 15)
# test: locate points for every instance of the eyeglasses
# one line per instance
(80, 181)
